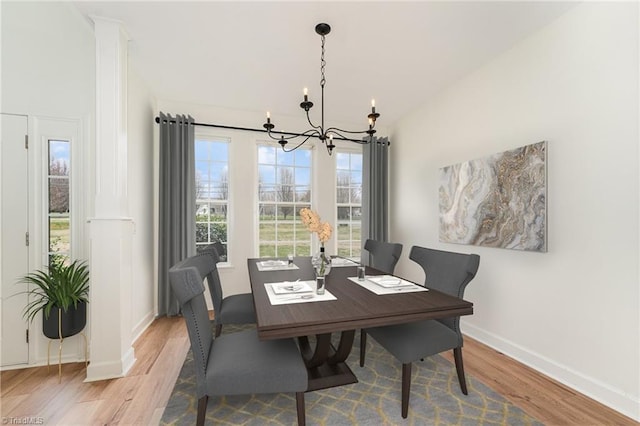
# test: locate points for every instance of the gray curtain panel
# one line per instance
(375, 192)
(177, 205)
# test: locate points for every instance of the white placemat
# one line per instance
(275, 265)
(403, 287)
(304, 295)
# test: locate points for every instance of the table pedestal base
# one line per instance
(329, 376)
(325, 364)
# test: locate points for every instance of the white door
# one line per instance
(14, 250)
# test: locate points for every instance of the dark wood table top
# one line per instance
(355, 307)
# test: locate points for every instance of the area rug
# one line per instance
(436, 398)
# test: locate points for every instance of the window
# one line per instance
(349, 203)
(212, 191)
(284, 187)
(59, 214)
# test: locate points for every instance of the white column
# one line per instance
(111, 228)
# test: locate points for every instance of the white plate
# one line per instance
(388, 281)
(293, 287)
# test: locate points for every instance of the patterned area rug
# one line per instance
(436, 398)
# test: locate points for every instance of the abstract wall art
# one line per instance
(497, 201)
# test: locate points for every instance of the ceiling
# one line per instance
(258, 56)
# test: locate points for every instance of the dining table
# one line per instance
(325, 327)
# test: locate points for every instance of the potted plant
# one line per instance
(61, 293)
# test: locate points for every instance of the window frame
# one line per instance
(41, 131)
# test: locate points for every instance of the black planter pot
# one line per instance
(73, 321)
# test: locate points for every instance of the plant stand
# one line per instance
(86, 362)
(62, 334)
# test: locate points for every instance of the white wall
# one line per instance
(573, 312)
(140, 137)
(47, 60)
(48, 74)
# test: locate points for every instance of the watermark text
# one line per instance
(24, 420)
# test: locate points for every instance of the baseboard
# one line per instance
(142, 325)
(53, 362)
(111, 370)
(594, 389)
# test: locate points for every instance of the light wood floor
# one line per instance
(140, 397)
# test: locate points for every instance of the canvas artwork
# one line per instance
(497, 201)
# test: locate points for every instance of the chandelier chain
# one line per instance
(322, 65)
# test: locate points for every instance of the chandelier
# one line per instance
(325, 134)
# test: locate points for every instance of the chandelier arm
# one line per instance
(299, 145)
(336, 130)
(309, 133)
(342, 137)
(318, 128)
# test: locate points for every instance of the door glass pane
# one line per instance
(59, 234)
(58, 195)
(59, 200)
(59, 158)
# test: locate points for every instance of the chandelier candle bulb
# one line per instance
(373, 106)
(268, 117)
(306, 93)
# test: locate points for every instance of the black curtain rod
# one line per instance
(220, 126)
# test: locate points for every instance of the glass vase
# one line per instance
(320, 284)
(322, 265)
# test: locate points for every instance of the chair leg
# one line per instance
(300, 407)
(406, 388)
(363, 346)
(457, 356)
(218, 329)
(202, 410)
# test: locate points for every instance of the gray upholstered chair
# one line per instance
(236, 363)
(449, 273)
(235, 309)
(384, 256)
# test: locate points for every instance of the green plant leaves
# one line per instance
(61, 286)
